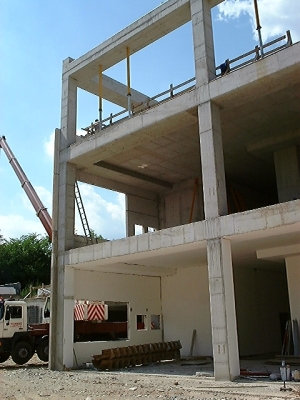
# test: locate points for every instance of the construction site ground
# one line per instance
(171, 380)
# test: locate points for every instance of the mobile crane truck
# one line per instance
(19, 340)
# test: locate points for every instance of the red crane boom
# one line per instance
(41, 211)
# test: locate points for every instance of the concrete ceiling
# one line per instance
(170, 151)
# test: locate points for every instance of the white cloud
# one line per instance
(14, 226)
(49, 145)
(106, 218)
(276, 17)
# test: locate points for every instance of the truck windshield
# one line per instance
(47, 308)
(1, 310)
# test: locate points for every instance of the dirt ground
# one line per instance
(176, 380)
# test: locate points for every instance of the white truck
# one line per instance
(19, 340)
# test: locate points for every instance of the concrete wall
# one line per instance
(293, 276)
(261, 295)
(185, 304)
(140, 211)
(141, 292)
(178, 204)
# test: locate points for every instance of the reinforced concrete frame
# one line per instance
(145, 268)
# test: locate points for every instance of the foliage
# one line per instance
(96, 235)
(26, 260)
(30, 289)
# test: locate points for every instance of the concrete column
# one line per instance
(212, 160)
(222, 307)
(203, 41)
(68, 108)
(287, 166)
(63, 225)
(69, 301)
(130, 225)
(293, 279)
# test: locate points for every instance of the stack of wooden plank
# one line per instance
(130, 356)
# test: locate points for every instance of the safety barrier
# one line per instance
(224, 68)
(137, 108)
(227, 65)
(130, 356)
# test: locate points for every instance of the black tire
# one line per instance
(43, 350)
(22, 353)
(4, 357)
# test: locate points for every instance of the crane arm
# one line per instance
(41, 211)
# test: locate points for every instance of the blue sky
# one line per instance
(36, 36)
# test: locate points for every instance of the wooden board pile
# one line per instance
(130, 356)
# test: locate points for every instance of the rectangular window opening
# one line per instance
(141, 322)
(138, 229)
(155, 322)
(96, 321)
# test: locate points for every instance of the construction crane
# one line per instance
(40, 209)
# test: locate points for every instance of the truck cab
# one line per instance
(13, 318)
(19, 340)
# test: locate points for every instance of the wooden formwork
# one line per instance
(130, 356)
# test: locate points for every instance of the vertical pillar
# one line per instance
(222, 305)
(63, 222)
(130, 225)
(287, 167)
(100, 96)
(212, 160)
(203, 41)
(68, 352)
(293, 279)
(128, 81)
(68, 108)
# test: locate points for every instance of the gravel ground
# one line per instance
(169, 381)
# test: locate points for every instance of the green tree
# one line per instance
(96, 235)
(26, 260)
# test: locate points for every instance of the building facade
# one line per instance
(211, 173)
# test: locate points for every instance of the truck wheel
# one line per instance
(4, 357)
(43, 350)
(22, 353)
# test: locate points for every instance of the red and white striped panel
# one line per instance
(79, 312)
(96, 312)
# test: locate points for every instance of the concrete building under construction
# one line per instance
(211, 171)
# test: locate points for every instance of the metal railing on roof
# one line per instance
(224, 68)
(227, 65)
(137, 108)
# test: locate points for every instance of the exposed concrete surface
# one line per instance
(237, 136)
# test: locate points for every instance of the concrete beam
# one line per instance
(134, 174)
(281, 252)
(146, 30)
(113, 185)
(114, 91)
